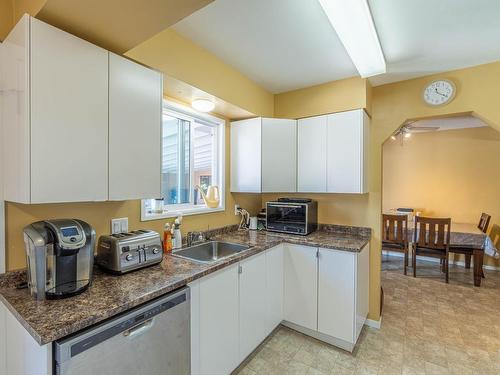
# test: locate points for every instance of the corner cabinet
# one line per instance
(332, 153)
(326, 293)
(263, 155)
(60, 94)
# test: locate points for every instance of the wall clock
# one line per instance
(438, 93)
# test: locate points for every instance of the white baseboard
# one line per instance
(436, 260)
(374, 323)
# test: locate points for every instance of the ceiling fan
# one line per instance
(408, 129)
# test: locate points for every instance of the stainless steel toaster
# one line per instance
(124, 252)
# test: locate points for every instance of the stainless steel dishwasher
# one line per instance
(153, 339)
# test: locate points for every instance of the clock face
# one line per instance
(439, 92)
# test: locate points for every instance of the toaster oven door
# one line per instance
(287, 217)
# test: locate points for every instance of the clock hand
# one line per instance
(437, 92)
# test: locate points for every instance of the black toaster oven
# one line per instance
(292, 215)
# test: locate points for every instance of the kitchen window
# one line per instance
(192, 160)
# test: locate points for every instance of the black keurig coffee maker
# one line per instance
(60, 256)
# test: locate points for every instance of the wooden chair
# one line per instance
(483, 225)
(395, 235)
(484, 222)
(431, 238)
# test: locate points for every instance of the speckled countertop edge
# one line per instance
(110, 295)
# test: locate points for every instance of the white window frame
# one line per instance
(186, 209)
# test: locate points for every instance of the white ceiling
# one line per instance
(288, 44)
(279, 44)
(421, 37)
(450, 123)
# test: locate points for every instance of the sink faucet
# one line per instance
(195, 237)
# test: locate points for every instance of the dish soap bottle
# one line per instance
(177, 241)
(167, 239)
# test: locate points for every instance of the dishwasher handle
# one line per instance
(139, 329)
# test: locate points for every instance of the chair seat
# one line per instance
(430, 252)
(386, 245)
(461, 250)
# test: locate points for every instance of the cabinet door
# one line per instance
(311, 154)
(275, 279)
(14, 81)
(336, 294)
(218, 322)
(362, 288)
(279, 155)
(301, 285)
(135, 106)
(69, 117)
(253, 306)
(345, 152)
(246, 156)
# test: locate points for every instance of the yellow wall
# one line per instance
(391, 105)
(337, 96)
(12, 10)
(6, 18)
(182, 59)
(99, 214)
(445, 174)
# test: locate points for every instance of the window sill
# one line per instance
(184, 211)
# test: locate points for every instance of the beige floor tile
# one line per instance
(429, 328)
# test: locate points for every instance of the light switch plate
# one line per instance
(119, 225)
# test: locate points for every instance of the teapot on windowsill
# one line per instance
(212, 198)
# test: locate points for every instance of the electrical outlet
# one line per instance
(237, 209)
(119, 225)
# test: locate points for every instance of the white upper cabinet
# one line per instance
(347, 152)
(135, 106)
(311, 154)
(72, 129)
(263, 155)
(246, 156)
(69, 117)
(279, 155)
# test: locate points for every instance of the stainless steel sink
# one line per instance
(209, 252)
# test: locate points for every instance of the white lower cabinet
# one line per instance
(342, 295)
(336, 305)
(320, 292)
(253, 304)
(217, 311)
(301, 285)
(275, 281)
(20, 354)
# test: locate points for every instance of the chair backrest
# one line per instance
(395, 228)
(484, 222)
(432, 233)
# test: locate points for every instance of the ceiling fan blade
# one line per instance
(422, 128)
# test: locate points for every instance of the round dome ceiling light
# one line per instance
(203, 105)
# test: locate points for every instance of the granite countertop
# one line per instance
(110, 295)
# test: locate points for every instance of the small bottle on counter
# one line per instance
(177, 239)
(167, 239)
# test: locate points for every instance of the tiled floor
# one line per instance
(428, 328)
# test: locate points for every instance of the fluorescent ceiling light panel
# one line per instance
(353, 22)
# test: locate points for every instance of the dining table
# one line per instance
(467, 236)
